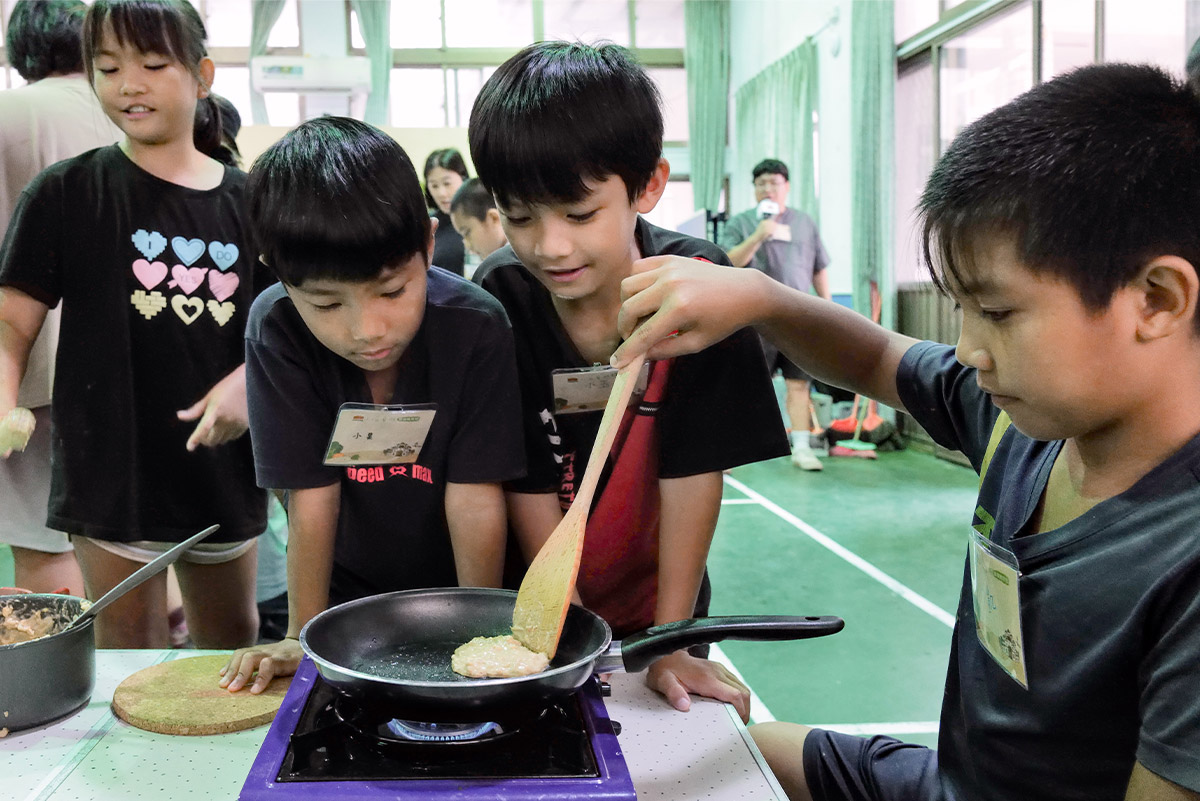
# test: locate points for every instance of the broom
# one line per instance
(854, 446)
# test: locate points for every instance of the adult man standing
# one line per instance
(783, 243)
(54, 117)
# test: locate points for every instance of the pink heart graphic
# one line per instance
(149, 275)
(222, 284)
(187, 278)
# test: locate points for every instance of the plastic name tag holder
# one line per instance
(367, 433)
(586, 389)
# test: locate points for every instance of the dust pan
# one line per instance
(545, 593)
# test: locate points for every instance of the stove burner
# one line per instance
(441, 732)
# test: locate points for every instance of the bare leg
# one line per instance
(782, 745)
(797, 401)
(46, 572)
(218, 601)
(138, 619)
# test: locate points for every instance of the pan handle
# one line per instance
(636, 652)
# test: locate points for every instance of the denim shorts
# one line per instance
(843, 767)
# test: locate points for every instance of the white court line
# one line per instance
(739, 502)
(908, 594)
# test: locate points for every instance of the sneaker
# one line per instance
(805, 459)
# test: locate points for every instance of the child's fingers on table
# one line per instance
(240, 668)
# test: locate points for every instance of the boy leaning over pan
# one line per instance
(1066, 225)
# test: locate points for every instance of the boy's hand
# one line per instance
(16, 428)
(271, 660)
(680, 673)
(222, 412)
(675, 306)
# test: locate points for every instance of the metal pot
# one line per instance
(392, 652)
(51, 677)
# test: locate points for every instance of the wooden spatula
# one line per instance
(546, 590)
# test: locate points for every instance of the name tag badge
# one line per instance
(996, 591)
(366, 433)
(783, 233)
(586, 389)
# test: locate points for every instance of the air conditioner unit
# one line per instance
(343, 74)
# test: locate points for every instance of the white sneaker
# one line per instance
(805, 459)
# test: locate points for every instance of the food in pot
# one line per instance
(16, 428)
(497, 658)
(15, 628)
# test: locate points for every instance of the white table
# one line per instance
(704, 753)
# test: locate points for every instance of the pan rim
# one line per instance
(465, 682)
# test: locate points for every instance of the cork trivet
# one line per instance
(182, 697)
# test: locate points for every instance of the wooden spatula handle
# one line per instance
(614, 410)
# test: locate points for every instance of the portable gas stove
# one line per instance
(322, 745)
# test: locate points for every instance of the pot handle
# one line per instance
(636, 652)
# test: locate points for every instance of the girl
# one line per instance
(145, 245)
(445, 172)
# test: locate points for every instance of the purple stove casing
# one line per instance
(613, 783)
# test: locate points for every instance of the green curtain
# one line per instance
(873, 80)
(706, 61)
(263, 15)
(774, 119)
(373, 23)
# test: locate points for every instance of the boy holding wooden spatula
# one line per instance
(568, 138)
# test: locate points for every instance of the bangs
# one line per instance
(150, 27)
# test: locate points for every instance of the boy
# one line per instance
(473, 214)
(1065, 225)
(569, 139)
(359, 316)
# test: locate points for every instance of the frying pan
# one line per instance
(392, 652)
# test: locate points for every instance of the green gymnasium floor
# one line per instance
(878, 543)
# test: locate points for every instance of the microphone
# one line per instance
(767, 208)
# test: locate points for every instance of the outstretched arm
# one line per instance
(675, 305)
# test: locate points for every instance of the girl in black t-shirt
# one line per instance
(144, 244)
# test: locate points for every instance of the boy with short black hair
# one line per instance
(359, 316)
(569, 139)
(473, 214)
(1065, 225)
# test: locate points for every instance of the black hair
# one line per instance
(337, 199)
(772, 166)
(448, 159)
(472, 199)
(558, 114)
(171, 28)
(44, 37)
(1092, 174)
(230, 121)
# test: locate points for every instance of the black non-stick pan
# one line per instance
(392, 652)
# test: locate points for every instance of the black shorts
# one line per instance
(777, 361)
(842, 767)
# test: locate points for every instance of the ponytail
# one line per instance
(208, 133)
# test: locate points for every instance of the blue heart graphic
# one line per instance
(149, 243)
(223, 255)
(188, 250)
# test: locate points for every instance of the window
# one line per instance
(1155, 33)
(489, 23)
(914, 159)
(910, 17)
(985, 68)
(1068, 36)
(672, 85)
(418, 98)
(658, 23)
(587, 20)
(674, 207)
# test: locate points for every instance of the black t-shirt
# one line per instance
(392, 532)
(718, 410)
(1109, 611)
(156, 282)
(448, 250)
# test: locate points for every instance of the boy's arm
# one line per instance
(675, 306)
(312, 529)
(1145, 785)
(533, 516)
(688, 519)
(478, 527)
(21, 319)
